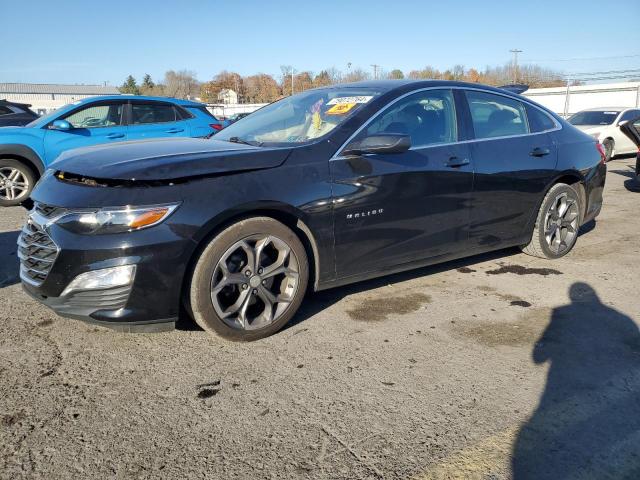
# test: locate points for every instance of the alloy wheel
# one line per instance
(561, 223)
(254, 282)
(14, 184)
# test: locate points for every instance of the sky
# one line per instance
(91, 42)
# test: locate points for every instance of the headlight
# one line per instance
(595, 135)
(115, 220)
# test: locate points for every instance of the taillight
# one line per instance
(216, 126)
(603, 156)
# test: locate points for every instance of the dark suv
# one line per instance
(14, 114)
(324, 188)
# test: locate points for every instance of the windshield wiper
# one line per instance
(245, 142)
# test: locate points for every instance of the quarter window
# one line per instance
(538, 120)
(5, 110)
(428, 117)
(142, 113)
(495, 115)
(96, 116)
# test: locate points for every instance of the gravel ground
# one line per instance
(498, 366)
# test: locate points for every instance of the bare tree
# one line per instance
(181, 84)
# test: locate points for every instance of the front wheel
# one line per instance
(16, 182)
(556, 229)
(249, 280)
(608, 146)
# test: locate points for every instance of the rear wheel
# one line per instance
(556, 229)
(16, 182)
(250, 280)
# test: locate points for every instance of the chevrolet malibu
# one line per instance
(321, 189)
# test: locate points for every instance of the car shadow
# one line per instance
(587, 422)
(9, 266)
(315, 302)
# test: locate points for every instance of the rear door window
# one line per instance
(495, 115)
(145, 113)
(5, 110)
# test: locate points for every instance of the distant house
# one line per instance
(227, 96)
(45, 97)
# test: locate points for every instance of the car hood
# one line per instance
(167, 159)
(10, 130)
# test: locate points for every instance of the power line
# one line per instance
(635, 55)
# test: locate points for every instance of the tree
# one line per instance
(322, 79)
(396, 74)
(181, 84)
(223, 80)
(356, 75)
(147, 83)
(130, 86)
(261, 88)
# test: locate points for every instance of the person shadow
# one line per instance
(587, 424)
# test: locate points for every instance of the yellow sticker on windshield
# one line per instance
(340, 108)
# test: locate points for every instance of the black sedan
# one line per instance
(14, 114)
(324, 188)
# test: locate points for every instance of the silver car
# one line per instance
(603, 124)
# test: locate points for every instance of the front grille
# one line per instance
(37, 252)
(48, 211)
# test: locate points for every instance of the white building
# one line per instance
(569, 100)
(227, 96)
(45, 97)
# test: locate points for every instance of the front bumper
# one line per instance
(150, 303)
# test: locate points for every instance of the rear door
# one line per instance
(92, 124)
(394, 209)
(514, 158)
(150, 119)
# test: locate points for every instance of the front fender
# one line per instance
(23, 151)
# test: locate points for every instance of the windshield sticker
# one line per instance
(610, 113)
(340, 109)
(359, 99)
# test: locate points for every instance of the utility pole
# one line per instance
(515, 52)
(375, 70)
(292, 71)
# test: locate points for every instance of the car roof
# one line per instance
(177, 101)
(389, 85)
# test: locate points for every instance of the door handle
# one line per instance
(174, 130)
(455, 162)
(539, 152)
(115, 135)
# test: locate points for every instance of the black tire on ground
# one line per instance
(200, 302)
(539, 245)
(21, 188)
(608, 145)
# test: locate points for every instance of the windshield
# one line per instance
(594, 118)
(299, 118)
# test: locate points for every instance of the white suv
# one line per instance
(603, 124)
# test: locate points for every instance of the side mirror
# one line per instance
(381, 143)
(61, 125)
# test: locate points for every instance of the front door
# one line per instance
(93, 124)
(394, 209)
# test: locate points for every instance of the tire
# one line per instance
(16, 182)
(555, 232)
(608, 144)
(229, 296)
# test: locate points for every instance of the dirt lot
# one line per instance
(499, 366)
